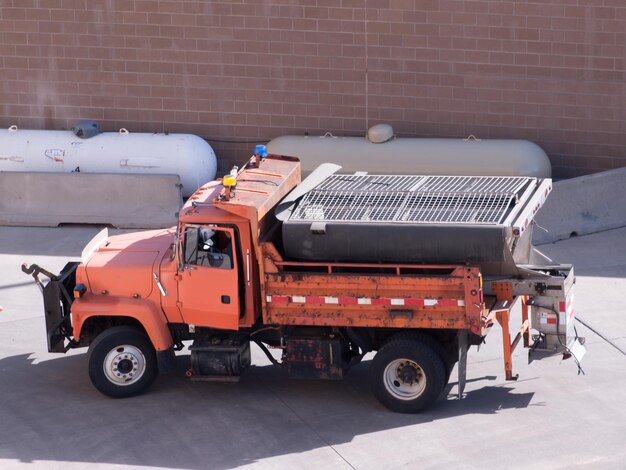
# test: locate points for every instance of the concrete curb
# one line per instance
(583, 205)
(124, 201)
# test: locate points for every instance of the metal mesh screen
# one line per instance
(416, 199)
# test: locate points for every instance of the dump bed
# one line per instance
(371, 295)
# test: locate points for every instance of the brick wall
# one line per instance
(551, 71)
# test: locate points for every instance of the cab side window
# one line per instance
(208, 246)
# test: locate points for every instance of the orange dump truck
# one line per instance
(222, 279)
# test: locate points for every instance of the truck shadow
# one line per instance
(52, 413)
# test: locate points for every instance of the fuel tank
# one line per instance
(380, 152)
(188, 156)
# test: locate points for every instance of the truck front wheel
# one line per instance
(122, 362)
(407, 375)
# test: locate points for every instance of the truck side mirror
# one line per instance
(179, 254)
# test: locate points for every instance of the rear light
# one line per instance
(79, 291)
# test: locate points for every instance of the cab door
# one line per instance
(208, 281)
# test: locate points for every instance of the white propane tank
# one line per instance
(188, 156)
(380, 153)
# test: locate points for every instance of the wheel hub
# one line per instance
(407, 374)
(124, 365)
(404, 379)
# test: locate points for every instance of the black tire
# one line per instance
(407, 375)
(122, 362)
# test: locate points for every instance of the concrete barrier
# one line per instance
(583, 205)
(123, 201)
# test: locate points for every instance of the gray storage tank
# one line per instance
(382, 153)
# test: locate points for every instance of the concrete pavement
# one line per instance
(551, 417)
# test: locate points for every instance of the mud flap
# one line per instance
(463, 341)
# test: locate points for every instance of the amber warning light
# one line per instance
(229, 182)
(79, 291)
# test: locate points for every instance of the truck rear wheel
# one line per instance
(122, 362)
(407, 375)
